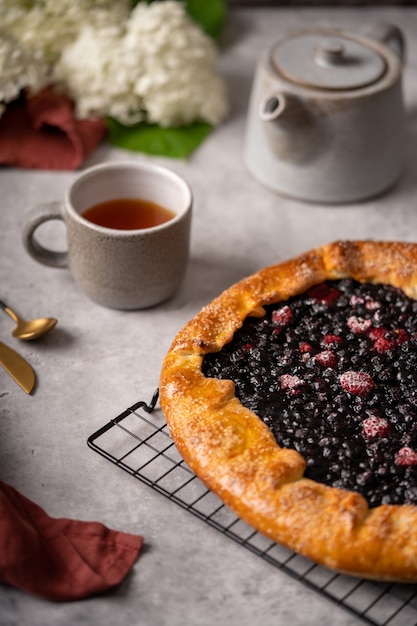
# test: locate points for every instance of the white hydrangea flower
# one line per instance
(160, 68)
(50, 25)
(175, 62)
(92, 71)
(20, 68)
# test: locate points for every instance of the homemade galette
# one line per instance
(293, 397)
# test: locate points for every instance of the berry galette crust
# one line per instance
(235, 453)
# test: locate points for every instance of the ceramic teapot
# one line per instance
(326, 117)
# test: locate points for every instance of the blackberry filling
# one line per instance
(332, 373)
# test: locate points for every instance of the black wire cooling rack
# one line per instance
(141, 445)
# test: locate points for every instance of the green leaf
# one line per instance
(210, 14)
(153, 139)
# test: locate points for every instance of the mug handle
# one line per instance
(40, 214)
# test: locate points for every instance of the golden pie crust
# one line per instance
(235, 454)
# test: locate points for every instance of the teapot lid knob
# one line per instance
(329, 52)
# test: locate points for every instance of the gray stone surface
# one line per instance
(98, 361)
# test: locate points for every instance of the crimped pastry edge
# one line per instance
(236, 455)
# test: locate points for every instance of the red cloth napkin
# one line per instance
(41, 132)
(59, 559)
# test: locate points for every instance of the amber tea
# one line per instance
(128, 214)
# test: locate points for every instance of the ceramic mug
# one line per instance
(122, 269)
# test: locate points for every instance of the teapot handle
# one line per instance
(389, 34)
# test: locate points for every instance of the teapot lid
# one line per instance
(327, 62)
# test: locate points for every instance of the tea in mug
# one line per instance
(128, 214)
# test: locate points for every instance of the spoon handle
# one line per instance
(9, 312)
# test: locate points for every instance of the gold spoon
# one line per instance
(31, 329)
